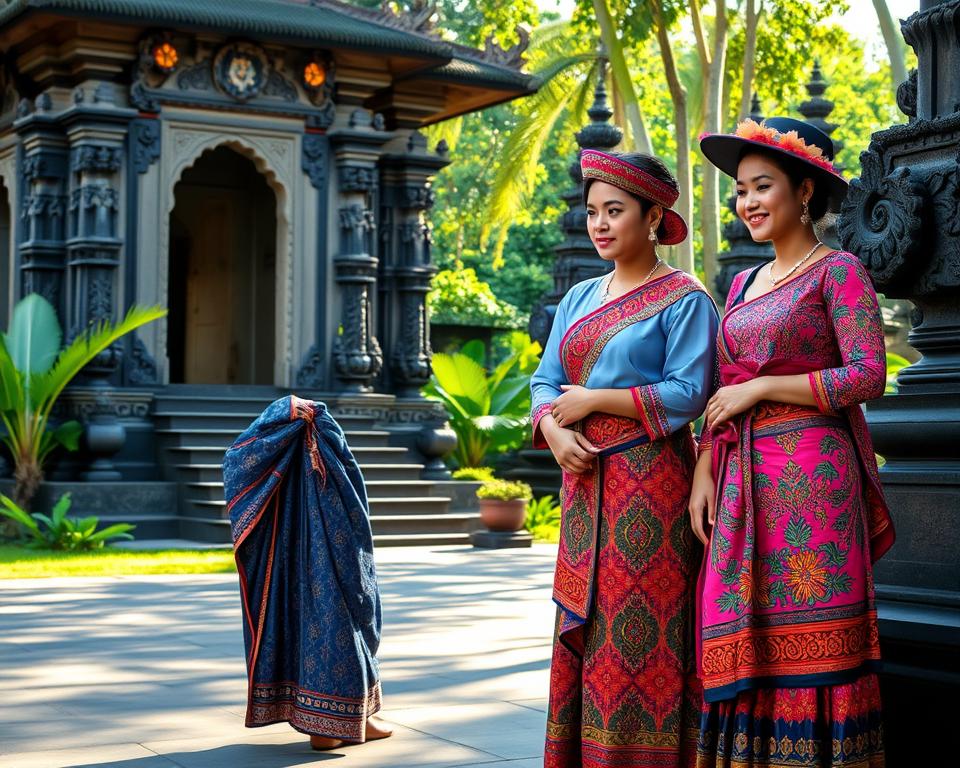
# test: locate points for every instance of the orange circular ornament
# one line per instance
(165, 56)
(314, 75)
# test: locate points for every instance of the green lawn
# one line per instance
(18, 562)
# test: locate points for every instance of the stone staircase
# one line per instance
(194, 428)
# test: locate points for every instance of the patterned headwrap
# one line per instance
(611, 169)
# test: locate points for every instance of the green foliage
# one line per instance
(460, 298)
(504, 490)
(481, 474)
(488, 412)
(894, 364)
(34, 372)
(543, 519)
(520, 344)
(61, 532)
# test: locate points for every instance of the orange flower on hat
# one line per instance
(791, 141)
(751, 129)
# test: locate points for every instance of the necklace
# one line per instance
(794, 268)
(606, 289)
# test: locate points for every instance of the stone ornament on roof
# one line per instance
(240, 70)
(511, 57)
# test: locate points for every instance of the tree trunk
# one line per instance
(894, 42)
(684, 251)
(754, 9)
(27, 476)
(622, 82)
(713, 117)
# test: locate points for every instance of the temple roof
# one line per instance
(320, 23)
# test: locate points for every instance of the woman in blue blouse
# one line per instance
(628, 365)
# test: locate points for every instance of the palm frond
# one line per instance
(11, 381)
(35, 335)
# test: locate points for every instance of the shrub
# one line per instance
(60, 531)
(504, 490)
(543, 519)
(473, 473)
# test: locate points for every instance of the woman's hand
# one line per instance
(703, 495)
(573, 452)
(574, 404)
(731, 401)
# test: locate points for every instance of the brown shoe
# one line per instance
(325, 742)
(377, 729)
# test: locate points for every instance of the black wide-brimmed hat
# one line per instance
(789, 137)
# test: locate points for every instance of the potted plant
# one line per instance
(503, 504)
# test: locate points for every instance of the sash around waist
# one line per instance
(613, 434)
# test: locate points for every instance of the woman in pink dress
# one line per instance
(786, 494)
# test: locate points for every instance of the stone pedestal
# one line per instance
(902, 218)
(501, 539)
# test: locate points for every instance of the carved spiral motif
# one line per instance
(880, 221)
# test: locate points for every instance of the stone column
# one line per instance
(43, 203)
(576, 257)
(97, 131)
(406, 268)
(902, 218)
(357, 357)
(743, 252)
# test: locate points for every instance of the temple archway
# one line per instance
(222, 273)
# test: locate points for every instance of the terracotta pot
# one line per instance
(499, 515)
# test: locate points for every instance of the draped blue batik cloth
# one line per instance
(304, 550)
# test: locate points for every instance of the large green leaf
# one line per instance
(11, 381)
(35, 335)
(117, 531)
(45, 388)
(68, 434)
(476, 350)
(12, 510)
(512, 396)
(464, 379)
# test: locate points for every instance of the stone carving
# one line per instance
(907, 95)
(880, 220)
(100, 298)
(24, 108)
(141, 98)
(98, 158)
(511, 57)
(355, 178)
(316, 150)
(420, 16)
(34, 167)
(360, 118)
(241, 70)
(141, 368)
(312, 370)
(145, 135)
(197, 77)
(279, 86)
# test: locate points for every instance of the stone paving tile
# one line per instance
(147, 672)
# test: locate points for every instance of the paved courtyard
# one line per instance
(148, 672)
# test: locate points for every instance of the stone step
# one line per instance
(238, 420)
(205, 454)
(187, 407)
(416, 532)
(207, 473)
(224, 438)
(148, 526)
(212, 490)
(199, 505)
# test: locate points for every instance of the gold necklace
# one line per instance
(794, 268)
(606, 290)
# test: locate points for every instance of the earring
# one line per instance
(805, 216)
(653, 235)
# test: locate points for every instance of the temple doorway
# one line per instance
(222, 281)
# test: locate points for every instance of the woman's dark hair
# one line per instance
(796, 171)
(648, 164)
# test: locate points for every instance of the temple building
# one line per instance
(257, 169)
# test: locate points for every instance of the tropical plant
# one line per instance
(504, 490)
(60, 531)
(488, 412)
(458, 297)
(33, 373)
(481, 474)
(543, 518)
(894, 363)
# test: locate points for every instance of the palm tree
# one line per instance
(33, 373)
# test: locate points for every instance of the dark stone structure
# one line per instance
(256, 168)
(902, 218)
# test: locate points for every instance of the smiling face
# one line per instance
(616, 222)
(767, 201)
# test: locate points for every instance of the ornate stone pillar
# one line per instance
(97, 132)
(743, 252)
(357, 357)
(43, 203)
(902, 218)
(406, 268)
(576, 257)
